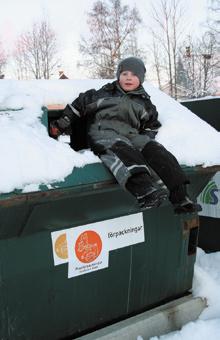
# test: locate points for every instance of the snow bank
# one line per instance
(30, 157)
(206, 283)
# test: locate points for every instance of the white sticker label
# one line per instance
(209, 198)
(86, 248)
(125, 231)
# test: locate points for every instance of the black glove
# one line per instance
(58, 126)
(63, 123)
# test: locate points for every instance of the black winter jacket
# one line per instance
(113, 106)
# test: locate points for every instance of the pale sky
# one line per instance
(68, 18)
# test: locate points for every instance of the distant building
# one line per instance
(62, 75)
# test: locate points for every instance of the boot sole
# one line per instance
(185, 210)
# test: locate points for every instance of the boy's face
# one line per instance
(128, 81)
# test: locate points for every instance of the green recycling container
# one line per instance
(206, 108)
(80, 256)
(209, 234)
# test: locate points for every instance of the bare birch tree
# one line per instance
(168, 25)
(22, 69)
(157, 63)
(36, 52)
(113, 30)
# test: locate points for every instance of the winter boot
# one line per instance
(181, 202)
(146, 191)
(153, 199)
(186, 207)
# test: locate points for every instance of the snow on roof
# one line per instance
(29, 157)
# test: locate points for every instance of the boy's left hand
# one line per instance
(54, 130)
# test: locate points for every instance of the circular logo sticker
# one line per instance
(61, 247)
(88, 246)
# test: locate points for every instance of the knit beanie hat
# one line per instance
(134, 65)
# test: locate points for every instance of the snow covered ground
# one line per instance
(206, 283)
(29, 157)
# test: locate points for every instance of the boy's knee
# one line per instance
(97, 148)
(153, 147)
(120, 145)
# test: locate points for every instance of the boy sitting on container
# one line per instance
(122, 123)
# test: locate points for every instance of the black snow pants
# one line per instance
(131, 158)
